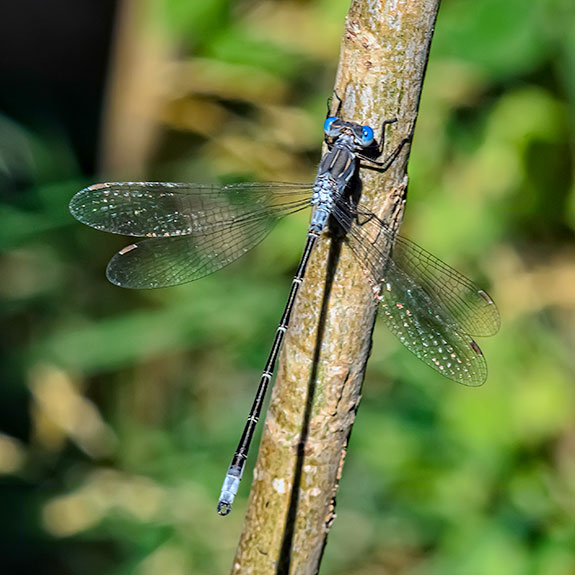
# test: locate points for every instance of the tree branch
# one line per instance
(316, 395)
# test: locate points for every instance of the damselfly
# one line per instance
(194, 230)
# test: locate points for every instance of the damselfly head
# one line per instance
(335, 127)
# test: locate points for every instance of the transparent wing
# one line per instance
(423, 321)
(470, 306)
(156, 209)
(456, 296)
(194, 229)
(411, 316)
(162, 262)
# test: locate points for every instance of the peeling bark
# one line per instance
(315, 398)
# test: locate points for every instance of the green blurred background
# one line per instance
(119, 410)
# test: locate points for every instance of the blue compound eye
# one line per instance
(328, 124)
(366, 136)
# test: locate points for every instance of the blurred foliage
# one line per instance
(120, 409)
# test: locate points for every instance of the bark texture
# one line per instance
(315, 398)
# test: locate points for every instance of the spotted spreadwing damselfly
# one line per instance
(193, 230)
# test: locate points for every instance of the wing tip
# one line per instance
(81, 199)
(77, 206)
